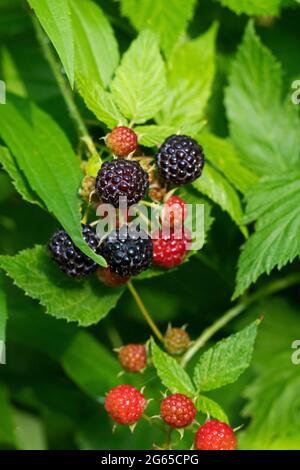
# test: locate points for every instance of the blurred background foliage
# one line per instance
(52, 388)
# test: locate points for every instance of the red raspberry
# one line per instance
(125, 404)
(215, 435)
(169, 250)
(175, 211)
(177, 410)
(133, 357)
(176, 340)
(122, 141)
(111, 279)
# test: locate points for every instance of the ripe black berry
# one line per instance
(68, 257)
(121, 178)
(126, 252)
(180, 160)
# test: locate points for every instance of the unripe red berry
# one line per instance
(169, 249)
(177, 410)
(215, 435)
(125, 404)
(122, 141)
(111, 279)
(133, 357)
(87, 188)
(175, 211)
(176, 341)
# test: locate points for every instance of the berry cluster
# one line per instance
(126, 405)
(179, 161)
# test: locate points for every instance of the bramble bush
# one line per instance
(171, 104)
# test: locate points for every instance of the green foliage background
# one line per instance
(222, 72)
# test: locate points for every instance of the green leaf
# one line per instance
(253, 7)
(153, 136)
(218, 189)
(259, 120)
(273, 406)
(226, 361)
(209, 407)
(275, 202)
(96, 49)
(30, 327)
(55, 17)
(85, 302)
(7, 428)
(191, 71)
(172, 375)
(139, 85)
(3, 310)
(222, 154)
(99, 101)
(30, 431)
(18, 179)
(168, 19)
(273, 395)
(10, 73)
(90, 365)
(85, 361)
(48, 162)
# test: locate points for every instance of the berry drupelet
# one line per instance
(68, 257)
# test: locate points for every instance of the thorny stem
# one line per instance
(144, 311)
(63, 86)
(271, 288)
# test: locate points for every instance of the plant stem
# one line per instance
(114, 336)
(168, 440)
(144, 311)
(154, 205)
(63, 86)
(153, 423)
(271, 288)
